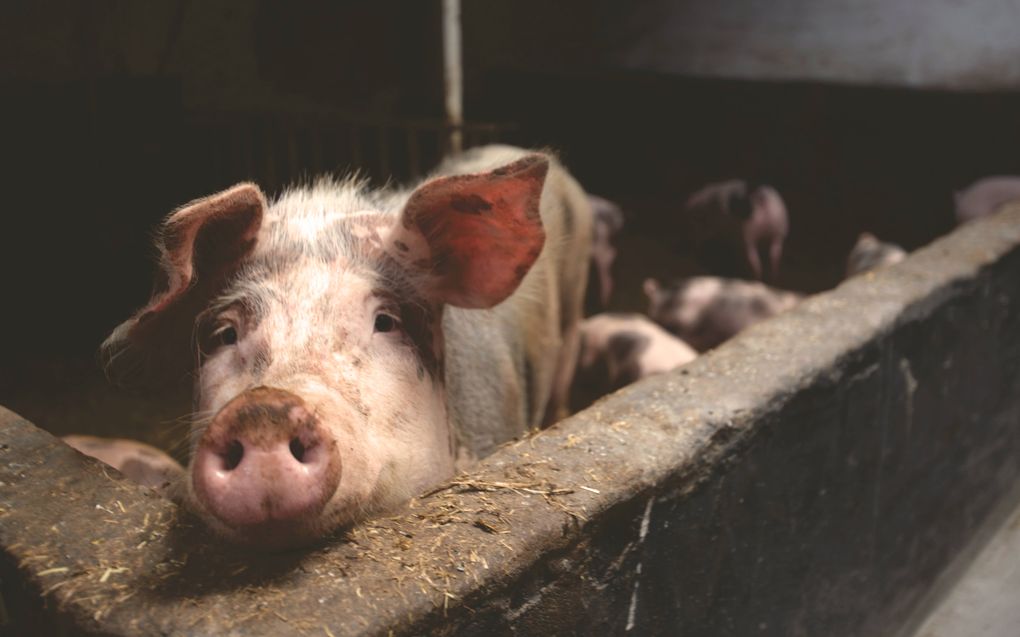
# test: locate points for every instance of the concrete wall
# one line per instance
(933, 44)
(813, 476)
(944, 44)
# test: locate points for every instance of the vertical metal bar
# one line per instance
(452, 76)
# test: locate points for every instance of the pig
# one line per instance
(985, 196)
(348, 345)
(704, 311)
(139, 462)
(870, 254)
(619, 349)
(738, 216)
(607, 223)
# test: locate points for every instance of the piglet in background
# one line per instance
(139, 462)
(985, 196)
(869, 253)
(738, 228)
(607, 221)
(619, 349)
(705, 311)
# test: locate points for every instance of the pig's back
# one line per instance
(985, 196)
(502, 364)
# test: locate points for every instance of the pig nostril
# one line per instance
(232, 458)
(297, 449)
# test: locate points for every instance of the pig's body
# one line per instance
(531, 338)
(620, 349)
(705, 311)
(871, 254)
(736, 216)
(985, 196)
(354, 342)
(138, 461)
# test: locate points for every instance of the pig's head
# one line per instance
(869, 253)
(314, 331)
(668, 305)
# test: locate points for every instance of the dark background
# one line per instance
(114, 113)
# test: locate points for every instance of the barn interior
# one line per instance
(867, 116)
(115, 113)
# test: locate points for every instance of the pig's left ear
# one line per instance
(474, 237)
(200, 246)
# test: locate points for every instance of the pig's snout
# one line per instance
(265, 463)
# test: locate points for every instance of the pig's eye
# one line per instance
(385, 323)
(226, 335)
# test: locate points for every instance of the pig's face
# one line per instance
(317, 322)
(364, 367)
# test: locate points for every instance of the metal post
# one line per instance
(452, 77)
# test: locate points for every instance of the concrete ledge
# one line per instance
(812, 476)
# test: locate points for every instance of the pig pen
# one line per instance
(815, 475)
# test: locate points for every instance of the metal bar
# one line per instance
(453, 76)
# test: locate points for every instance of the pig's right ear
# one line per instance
(474, 237)
(200, 246)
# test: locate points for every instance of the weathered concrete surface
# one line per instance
(944, 44)
(813, 476)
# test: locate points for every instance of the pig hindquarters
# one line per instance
(737, 228)
(704, 311)
(620, 349)
(985, 196)
(347, 344)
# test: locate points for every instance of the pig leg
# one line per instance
(575, 254)
(775, 255)
(751, 248)
(557, 408)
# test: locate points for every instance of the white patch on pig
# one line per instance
(697, 295)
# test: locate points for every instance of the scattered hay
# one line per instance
(537, 488)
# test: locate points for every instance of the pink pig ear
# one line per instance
(200, 246)
(474, 236)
